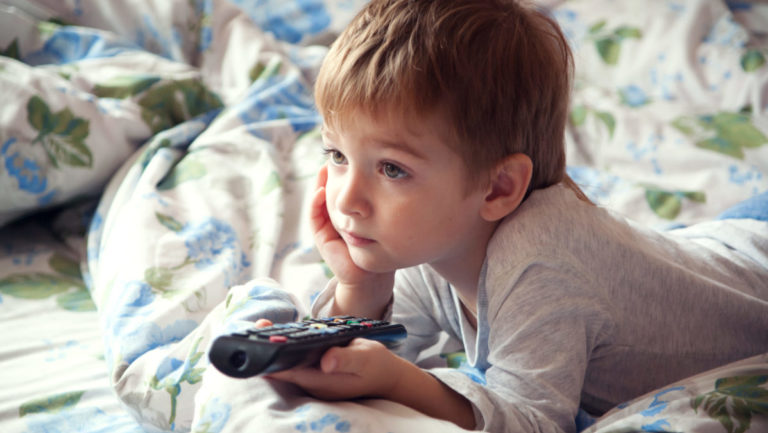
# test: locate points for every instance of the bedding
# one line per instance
(157, 158)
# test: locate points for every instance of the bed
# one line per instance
(156, 158)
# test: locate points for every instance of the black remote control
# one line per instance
(286, 345)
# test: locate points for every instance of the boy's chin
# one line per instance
(377, 266)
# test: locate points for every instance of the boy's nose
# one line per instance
(352, 197)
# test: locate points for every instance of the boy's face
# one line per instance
(397, 193)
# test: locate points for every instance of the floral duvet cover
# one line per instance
(156, 161)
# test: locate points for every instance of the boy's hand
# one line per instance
(346, 372)
(332, 247)
(364, 368)
(359, 292)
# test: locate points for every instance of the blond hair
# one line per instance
(500, 70)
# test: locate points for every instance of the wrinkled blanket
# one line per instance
(191, 124)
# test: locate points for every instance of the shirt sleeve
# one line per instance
(416, 306)
(542, 330)
(321, 306)
(407, 308)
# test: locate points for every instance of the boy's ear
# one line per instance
(509, 183)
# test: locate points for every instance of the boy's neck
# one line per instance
(463, 273)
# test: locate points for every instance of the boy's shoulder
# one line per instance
(553, 213)
(555, 228)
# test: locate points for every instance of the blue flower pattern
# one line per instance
(655, 408)
(209, 242)
(633, 95)
(327, 422)
(278, 97)
(288, 21)
(28, 172)
(263, 302)
(82, 419)
(212, 242)
(148, 336)
(70, 44)
(215, 414)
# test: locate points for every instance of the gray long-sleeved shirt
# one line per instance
(577, 306)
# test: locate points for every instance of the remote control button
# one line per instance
(304, 334)
(278, 339)
(318, 325)
(284, 331)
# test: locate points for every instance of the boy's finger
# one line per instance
(262, 323)
(322, 176)
(350, 359)
(319, 213)
(329, 363)
(320, 222)
(308, 378)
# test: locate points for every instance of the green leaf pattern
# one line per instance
(725, 132)
(164, 103)
(752, 60)
(608, 42)
(125, 86)
(734, 401)
(60, 133)
(51, 404)
(168, 104)
(169, 222)
(65, 283)
(188, 168)
(12, 50)
(266, 70)
(579, 114)
(667, 204)
(190, 373)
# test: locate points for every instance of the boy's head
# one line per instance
(499, 72)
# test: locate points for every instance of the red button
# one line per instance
(278, 339)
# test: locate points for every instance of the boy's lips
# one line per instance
(355, 240)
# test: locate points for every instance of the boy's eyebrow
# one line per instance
(387, 144)
(403, 147)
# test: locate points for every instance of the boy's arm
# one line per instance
(366, 368)
(367, 300)
(425, 393)
(358, 292)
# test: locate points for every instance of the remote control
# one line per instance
(286, 345)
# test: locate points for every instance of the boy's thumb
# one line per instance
(329, 362)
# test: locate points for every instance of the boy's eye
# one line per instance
(337, 157)
(392, 171)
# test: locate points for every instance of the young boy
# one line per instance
(444, 125)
